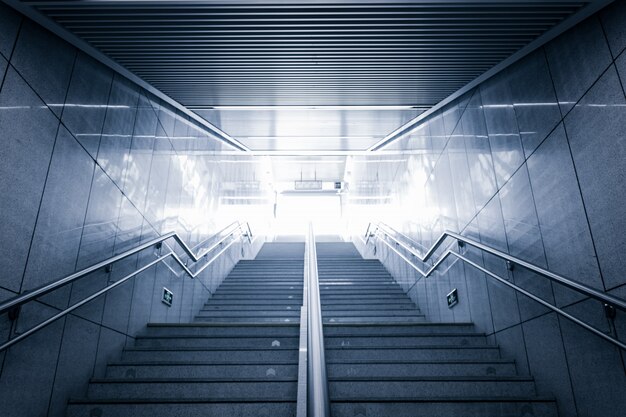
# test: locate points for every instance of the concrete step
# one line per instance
(247, 297)
(359, 285)
(397, 329)
(259, 290)
(271, 283)
(437, 386)
(433, 352)
(227, 355)
(252, 307)
(223, 330)
(370, 302)
(335, 293)
(188, 388)
(452, 339)
(325, 269)
(247, 320)
(202, 407)
(353, 287)
(270, 275)
(396, 368)
(265, 301)
(248, 313)
(201, 369)
(365, 293)
(365, 306)
(373, 295)
(373, 319)
(216, 342)
(269, 270)
(260, 286)
(372, 313)
(444, 407)
(357, 279)
(354, 272)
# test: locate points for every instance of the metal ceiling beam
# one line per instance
(568, 23)
(99, 56)
(323, 52)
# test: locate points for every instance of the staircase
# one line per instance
(240, 355)
(384, 359)
(238, 358)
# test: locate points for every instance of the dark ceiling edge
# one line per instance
(85, 47)
(592, 7)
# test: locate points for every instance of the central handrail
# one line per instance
(17, 301)
(389, 232)
(317, 382)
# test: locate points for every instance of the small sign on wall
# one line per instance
(453, 298)
(167, 298)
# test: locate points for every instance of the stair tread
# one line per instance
(225, 324)
(201, 363)
(424, 324)
(414, 347)
(190, 380)
(418, 361)
(361, 303)
(205, 349)
(474, 378)
(490, 398)
(179, 400)
(338, 335)
(196, 336)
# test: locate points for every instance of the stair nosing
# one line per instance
(494, 398)
(178, 400)
(450, 378)
(192, 380)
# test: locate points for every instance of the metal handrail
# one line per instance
(607, 299)
(28, 296)
(317, 382)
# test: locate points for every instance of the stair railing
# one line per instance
(318, 404)
(233, 232)
(385, 234)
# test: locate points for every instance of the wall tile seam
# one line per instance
(562, 120)
(117, 234)
(543, 246)
(58, 359)
(59, 117)
(80, 144)
(567, 361)
(582, 197)
(512, 175)
(388, 254)
(80, 243)
(8, 59)
(619, 76)
(449, 137)
(106, 113)
(8, 290)
(95, 162)
(45, 182)
(160, 123)
(520, 323)
(507, 73)
(75, 315)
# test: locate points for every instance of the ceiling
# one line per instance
(229, 60)
(301, 129)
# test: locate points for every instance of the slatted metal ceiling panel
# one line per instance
(230, 53)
